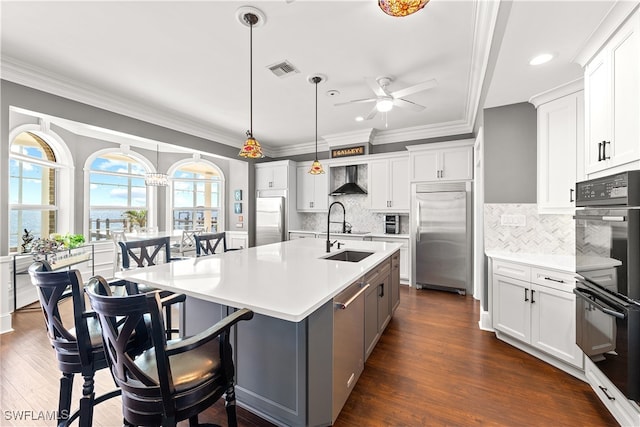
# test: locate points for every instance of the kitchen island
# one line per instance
(301, 355)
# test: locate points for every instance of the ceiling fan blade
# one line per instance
(414, 89)
(356, 101)
(403, 103)
(372, 113)
(375, 87)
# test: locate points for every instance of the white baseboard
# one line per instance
(485, 321)
(5, 323)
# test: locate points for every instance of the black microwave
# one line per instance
(392, 224)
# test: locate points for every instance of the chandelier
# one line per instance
(401, 7)
(156, 179)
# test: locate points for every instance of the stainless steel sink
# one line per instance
(349, 256)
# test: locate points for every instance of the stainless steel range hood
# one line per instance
(351, 186)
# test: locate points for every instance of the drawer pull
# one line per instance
(526, 295)
(554, 280)
(606, 393)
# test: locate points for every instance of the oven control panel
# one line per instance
(621, 189)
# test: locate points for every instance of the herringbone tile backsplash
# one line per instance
(541, 234)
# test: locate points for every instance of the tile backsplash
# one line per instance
(519, 228)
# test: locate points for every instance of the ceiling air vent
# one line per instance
(283, 69)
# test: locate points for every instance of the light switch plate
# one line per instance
(239, 225)
(513, 220)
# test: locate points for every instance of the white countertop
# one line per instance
(287, 280)
(362, 234)
(557, 262)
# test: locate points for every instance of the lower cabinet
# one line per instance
(377, 305)
(405, 258)
(537, 307)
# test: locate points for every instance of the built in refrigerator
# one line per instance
(441, 236)
(270, 222)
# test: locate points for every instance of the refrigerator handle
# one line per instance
(417, 221)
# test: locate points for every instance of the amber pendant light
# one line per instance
(401, 8)
(316, 166)
(251, 148)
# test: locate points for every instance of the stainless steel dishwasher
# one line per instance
(348, 343)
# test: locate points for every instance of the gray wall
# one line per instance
(510, 136)
(14, 95)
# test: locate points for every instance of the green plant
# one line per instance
(68, 241)
(136, 217)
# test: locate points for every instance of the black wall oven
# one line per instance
(608, 272)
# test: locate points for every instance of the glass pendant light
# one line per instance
(401, 7)
(251, 148)
(316, 166)
(156, 179)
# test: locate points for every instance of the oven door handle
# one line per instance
(587, 297)
(608, 218)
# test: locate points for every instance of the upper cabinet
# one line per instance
(312, 190)
(442, 161)
(560, 146)
(389, 184)
(612, 102)
(272, 175)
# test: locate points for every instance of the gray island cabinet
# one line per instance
(316, 320)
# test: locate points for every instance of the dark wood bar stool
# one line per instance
(175, 380)
(78, 346)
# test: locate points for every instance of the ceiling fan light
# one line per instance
(316, 168)
(384, 105)
(251, 149)
(401, 8)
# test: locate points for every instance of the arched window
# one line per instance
(117, 194)
(32, 188)
(197, 196)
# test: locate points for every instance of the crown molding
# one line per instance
(557, 92)
(423, 132)
(618, 13)
(37, 78)
(344, 138)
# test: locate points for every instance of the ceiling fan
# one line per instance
(385, 100)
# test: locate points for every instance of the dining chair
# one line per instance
(208, 243)
(187, 243)
(145, 253)
(117, 236)
(174, 380)
(77, 343)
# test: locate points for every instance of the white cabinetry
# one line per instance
(312, 190)
(442, 161)
(237, 239)
(612, 102)
(560, 147)
(537, 307)
(272, 175)
(405, 259)
(389, 184)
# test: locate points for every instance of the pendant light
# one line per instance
(316, 167)
(401, 8)
(156, 179)
(251, 148)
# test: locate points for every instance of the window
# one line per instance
(116, 187)
(32, 188)
(197, 198)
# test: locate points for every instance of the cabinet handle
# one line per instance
(554, 280)
(600, 151)
(532, 300)
(381, 286)
(606, 393)
(604, 150)
(571, 190)
(526, 294)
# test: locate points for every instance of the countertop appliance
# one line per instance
(392, 224)
(441, 236)
(608, 272)
(270, 223)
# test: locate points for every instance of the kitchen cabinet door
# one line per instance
(456, 164)
(395, 282)
(371, 331)
(560, 135)
(445, 161)
(389, 185)
(553, 324)
(425, 166)
(512, 310)
(272, 176)
(312, 191)
(612, 101)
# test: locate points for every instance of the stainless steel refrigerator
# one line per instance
(270, 224)
(441, 236)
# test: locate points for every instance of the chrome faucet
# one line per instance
(344, 223)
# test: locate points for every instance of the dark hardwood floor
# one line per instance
(432, 367)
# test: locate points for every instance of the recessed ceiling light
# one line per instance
(541, 59)
(359, 119)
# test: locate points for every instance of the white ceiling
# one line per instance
(186, 64)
